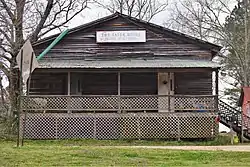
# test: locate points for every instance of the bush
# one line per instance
(224, 139)
(8, 128)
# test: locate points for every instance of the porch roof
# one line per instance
(125, 63)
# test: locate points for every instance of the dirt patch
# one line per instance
(239, 148)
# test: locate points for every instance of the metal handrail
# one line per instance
(230, 111)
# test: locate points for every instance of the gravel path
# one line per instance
(239, 148)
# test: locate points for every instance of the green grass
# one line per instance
(220, 140)
(89, 153)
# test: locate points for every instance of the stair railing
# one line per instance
(229, 113)
(233, 116)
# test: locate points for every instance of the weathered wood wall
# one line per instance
(107, 83)
(82, 44)
(186, 83)
(48, 83)
(98, 83)
(139, 83)
(193, 83)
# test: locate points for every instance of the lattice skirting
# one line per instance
(118, 126)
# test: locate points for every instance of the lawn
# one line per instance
(89, 153)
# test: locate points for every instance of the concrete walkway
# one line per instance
(239, 148)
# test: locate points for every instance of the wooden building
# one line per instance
(120, 77)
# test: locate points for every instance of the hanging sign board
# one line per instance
(121, 36)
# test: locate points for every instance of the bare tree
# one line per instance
(4, 97)
(209, 20)
(22, 19)
(203, 19)
(141, 9)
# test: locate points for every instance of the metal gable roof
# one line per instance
(128, 63)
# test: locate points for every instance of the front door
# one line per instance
(165, 87)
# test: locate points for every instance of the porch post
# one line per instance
(68, 83)
(69, 104)
(217, 82)
(217, 89)
(169, 85)
(119, 92)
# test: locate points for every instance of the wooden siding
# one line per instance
(82, 44)
(193, 83)
(45, 83)
(186, 83)
(139, 83)
(99, 84)
(107, 83)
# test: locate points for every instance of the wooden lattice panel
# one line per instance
(119, 126)
(157, 126)
(45, 103)
(34, 103)
(44, 126)
(139, 103)
(198, 125)
(73, 126)
(107, 126)
(94, 103)
(116, 103)
(130, 126)
(194, 103)
(65, 103)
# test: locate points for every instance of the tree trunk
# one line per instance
(14, 90)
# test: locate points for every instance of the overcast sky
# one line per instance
(94, 12)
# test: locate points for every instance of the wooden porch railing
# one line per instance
(120, 103)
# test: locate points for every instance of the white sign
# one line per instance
(120, 36)
(27, 52)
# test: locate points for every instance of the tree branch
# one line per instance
(40, 25)
(8, 10)
(51, 26)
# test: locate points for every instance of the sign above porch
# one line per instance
(121, 36)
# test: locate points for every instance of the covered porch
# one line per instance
(123, 90)
(121, 104)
